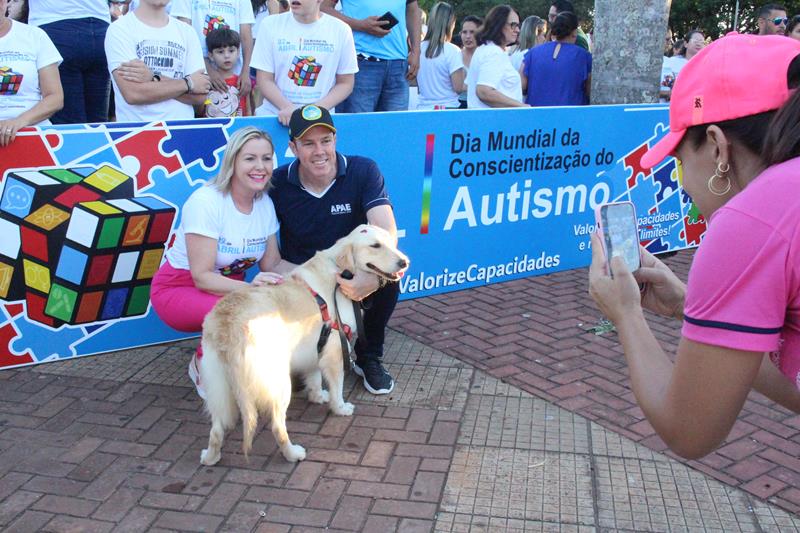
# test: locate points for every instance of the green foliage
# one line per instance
(715, 18)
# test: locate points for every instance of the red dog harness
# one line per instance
(328, 324)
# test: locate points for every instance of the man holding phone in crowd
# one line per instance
(385, 60)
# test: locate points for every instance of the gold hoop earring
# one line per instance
(722, 169)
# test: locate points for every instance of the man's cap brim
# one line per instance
(329, 126)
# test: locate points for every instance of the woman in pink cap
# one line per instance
(735, 126)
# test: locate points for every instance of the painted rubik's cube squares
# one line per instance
(305, 71)
(214, 22)
(78, 246)
(9, 81)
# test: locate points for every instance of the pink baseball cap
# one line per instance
(735, 76)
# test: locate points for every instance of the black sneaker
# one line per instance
(376, 379)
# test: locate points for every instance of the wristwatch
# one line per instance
(156, 76)
(189, 83)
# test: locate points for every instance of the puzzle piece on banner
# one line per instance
(694, 215)
(145, 148)
(190, 146)
(693, 232)
(45, 342)
(644, 192)
(657, 246)
(667, 177)
(77, 142)
(617, 177)
(28, 151)
(634, 161)
(7, 359)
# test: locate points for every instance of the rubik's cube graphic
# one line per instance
(10, 81)
(305, 71)
(78, 246)
(214, 22)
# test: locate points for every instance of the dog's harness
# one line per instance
(329, 324)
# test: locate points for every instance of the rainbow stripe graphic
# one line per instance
(427, 184)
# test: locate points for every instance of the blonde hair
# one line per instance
(222, 181)
(440, 28)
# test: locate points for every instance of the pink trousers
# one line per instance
(178, 302)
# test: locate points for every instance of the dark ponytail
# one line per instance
(782, 141)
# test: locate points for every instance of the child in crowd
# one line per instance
(223, 51)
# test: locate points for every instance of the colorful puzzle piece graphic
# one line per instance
(634, 161)
(182, 141)
(144, 147)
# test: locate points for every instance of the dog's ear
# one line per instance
(345, 259)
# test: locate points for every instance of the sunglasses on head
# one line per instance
(780, 20)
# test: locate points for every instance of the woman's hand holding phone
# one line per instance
(616, 297)
(663, 292)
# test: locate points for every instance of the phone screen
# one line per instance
(620, 233)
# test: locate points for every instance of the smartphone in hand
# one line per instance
(391, 19)
(619, 233)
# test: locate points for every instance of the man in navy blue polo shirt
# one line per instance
(322, 196)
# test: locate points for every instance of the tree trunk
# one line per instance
(628, 50)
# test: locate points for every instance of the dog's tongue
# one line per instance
(400, 274)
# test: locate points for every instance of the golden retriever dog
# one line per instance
(257, 337)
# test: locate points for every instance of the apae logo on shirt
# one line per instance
(341, 209)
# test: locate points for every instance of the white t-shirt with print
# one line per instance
(241, 238)
(47, 11)
(207, 15)
(173, 51)
(305, 58)
(433, 78)
(23, 52)
(491, 66)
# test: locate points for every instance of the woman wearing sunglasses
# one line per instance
(671, 67)
(734, 126)
(492, 80)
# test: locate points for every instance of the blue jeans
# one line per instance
(84, 71)
(379, 86)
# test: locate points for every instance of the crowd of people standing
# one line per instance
(90, 61)
(79, 61)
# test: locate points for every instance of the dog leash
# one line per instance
(346, 274)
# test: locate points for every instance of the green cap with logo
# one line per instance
(306, 117)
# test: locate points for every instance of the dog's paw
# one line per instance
(343, 409)
(318, 396)
(294, 453)
(209, 459)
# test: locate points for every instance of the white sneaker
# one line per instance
(194, 375)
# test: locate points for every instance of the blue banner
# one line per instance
(480, 197)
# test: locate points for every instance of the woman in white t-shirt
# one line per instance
(492, 80)
(441, 70)
(672, 66)
(226, 227)
(30, 87)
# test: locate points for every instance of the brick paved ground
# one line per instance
(112, 442)
(531, 333)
